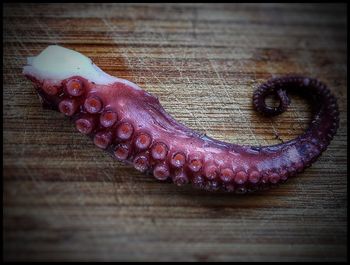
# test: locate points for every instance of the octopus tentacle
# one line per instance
(132, 126)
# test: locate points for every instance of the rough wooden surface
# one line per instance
(64, 199)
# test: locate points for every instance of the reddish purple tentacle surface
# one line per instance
(132, 126)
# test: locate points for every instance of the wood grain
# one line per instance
(65, 200)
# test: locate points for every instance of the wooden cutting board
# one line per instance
(65, 199)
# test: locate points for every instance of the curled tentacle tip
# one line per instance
(272, 87)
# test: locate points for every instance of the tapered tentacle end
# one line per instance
(267, 89)
(294, 156)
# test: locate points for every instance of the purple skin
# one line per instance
(132, 126)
